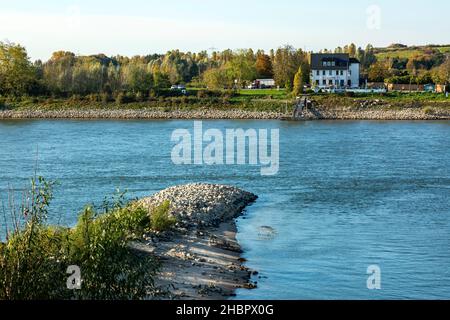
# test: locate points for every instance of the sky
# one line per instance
(138, 27)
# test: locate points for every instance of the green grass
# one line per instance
(407, 53)
(444, 49)
(402, 54)
(263, 92)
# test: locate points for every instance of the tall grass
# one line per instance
(35, 256)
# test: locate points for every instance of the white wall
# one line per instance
(335, 78)
(354, 76)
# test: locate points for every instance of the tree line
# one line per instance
(66, 74)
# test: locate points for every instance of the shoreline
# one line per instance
(317, 113)
(201, 258)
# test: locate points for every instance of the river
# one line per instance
(348, 195)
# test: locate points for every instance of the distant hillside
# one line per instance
(404, 52)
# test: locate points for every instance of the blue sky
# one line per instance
(140, 27)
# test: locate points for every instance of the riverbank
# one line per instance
(200, 256)
(248, 105)
(315, 113)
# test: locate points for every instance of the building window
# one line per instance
(331, 73)
(317, 82)
(323, 72)
(330, 82)
(324, 82)
(342, 83)
(333, 63)
(318, 72)
(342, 72)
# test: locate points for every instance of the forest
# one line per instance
(67, 75)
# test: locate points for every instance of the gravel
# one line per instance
(203, 205)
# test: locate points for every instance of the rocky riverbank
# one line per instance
(201, 257)
(150, 114)
(349, 113)
(365, 112)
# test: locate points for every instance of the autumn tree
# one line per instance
(377, 72)
(264, 67)
(286, 63)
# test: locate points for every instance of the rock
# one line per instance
(202, 205)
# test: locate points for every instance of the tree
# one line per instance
(377, 72)
(352, 50)
(17, 73)
(286, 63)
(264, 67)
(242, 67)
(137, 78)
(218, 79)
(441, 75)
(298, 82)
(369, 56)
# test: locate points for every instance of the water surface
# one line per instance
(348, 195)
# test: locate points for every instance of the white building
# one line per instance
(334, 70)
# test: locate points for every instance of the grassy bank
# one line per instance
(36, 256)
(275, 101)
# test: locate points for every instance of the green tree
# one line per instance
(17, 73)
(298, 82)
(137, 78)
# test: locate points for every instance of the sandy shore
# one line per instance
(201, 258)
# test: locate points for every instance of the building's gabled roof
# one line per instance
(330, 61)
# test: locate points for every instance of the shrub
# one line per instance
(140, 97)
(34, 260)
(105, 97)
(120, 98)
(93, 97)
(160, 218)
(349, 94)
(428, 110)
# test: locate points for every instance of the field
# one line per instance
(406, 53)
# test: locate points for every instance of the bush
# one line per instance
(140, 97)
(120, 98)
(349, 94)
(93, 97)
(160, 218)
(105, 97)
(34, 260)
(428, 110)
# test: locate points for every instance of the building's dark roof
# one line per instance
(339, 61)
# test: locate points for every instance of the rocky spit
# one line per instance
(364, 111)
(201, 258)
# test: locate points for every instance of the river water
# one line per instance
(348, 195)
